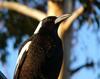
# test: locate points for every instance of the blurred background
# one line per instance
(83, 37)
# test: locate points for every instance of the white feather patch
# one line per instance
(38, 27)
(25, 48)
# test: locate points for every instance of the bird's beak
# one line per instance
(62, 18)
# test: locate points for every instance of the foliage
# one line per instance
(91, 9)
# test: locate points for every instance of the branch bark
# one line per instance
(65, 25)
(34, 13)
(62, 30)
(54, 9)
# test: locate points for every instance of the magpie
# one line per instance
(40, 57)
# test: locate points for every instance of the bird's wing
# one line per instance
(21, 58)
(30, 39)
(2, 76)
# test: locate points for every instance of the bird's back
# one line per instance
(44, 58)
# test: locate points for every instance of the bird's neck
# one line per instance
(48, 32)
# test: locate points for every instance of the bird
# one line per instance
(2, 76)
(40, 57)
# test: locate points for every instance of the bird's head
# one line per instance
(50, 24)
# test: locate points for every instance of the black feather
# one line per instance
(44, 56)
(2, 76)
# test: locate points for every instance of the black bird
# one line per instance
(2, 76)
(41, 55)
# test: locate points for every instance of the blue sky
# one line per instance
(8, 69)
(86, 46)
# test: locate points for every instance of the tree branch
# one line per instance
(65, 25)
(34, 13)
(61, 71)
(54, 9)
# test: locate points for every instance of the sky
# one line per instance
(9, 68)
(86, 47)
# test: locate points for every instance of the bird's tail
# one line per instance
(2, 76)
